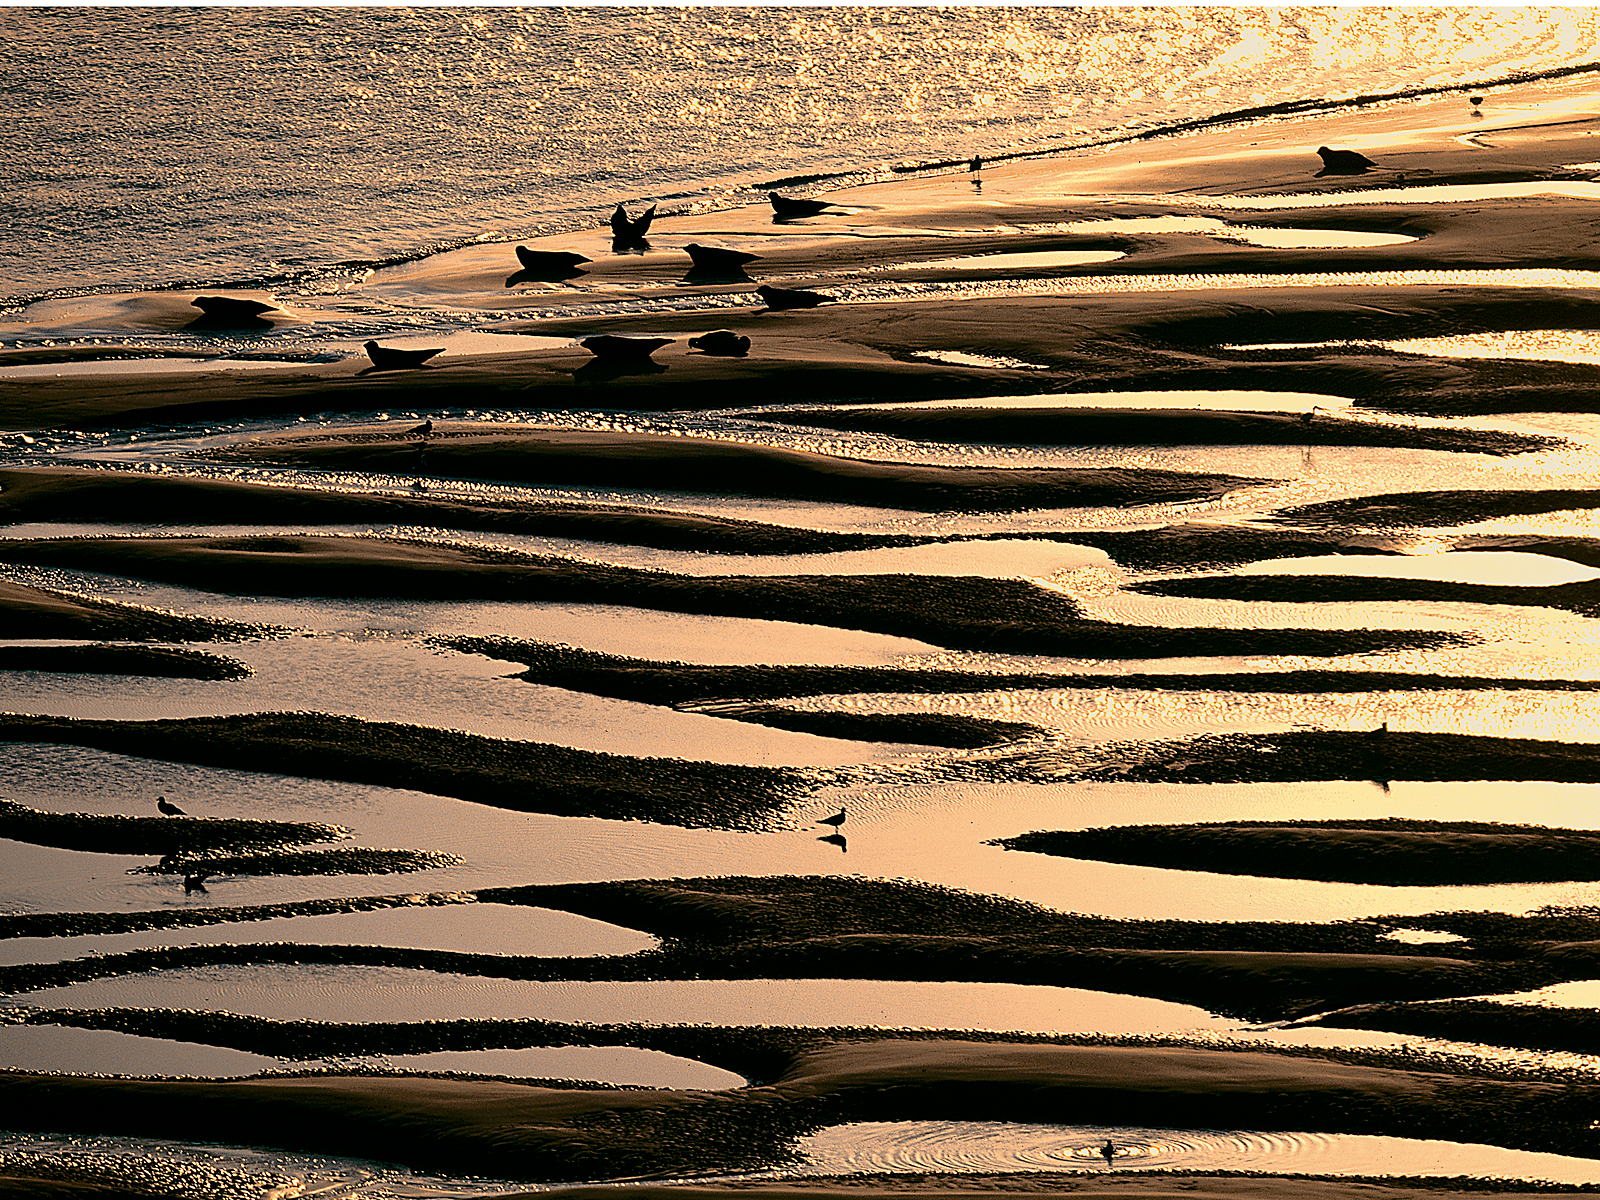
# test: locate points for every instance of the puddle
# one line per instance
(1538, 345)
(1223, 401)
(1422, 937)
(364, 994)
(1508, 568)
(1008, 260)
(1576, 993)
(468, 928)
(962, 358)
(993, 1147)
(1438, 194)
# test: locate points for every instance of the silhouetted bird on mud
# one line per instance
(1108, 1151)
(1343, 162)
(778, 299)
(786, 208)
(836, 820)
(1379, 732)
(168, 809)
(194, 883)
(390, 358)
(422, 430)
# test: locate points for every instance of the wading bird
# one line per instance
(836, 820)
(168, 809)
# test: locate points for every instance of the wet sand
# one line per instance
(1083, 339)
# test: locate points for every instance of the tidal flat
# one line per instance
(1065, 795)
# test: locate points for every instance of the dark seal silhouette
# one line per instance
(781, 298)
(1343, 162)
(389, 358)
(547, 264)
(787, 208)
(716, 260)
(230, 312)
(627, 233)
(724, 343)
(609, 345)
(167, 808)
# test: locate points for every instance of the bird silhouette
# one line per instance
(390, 358)
(1108, 1151)
(786, 208)
(778, 299)
(1379, 731)
(976, 164)
(724, 343)
(836, 821)
(1343, 162)
(168, 809)
(195, 883)
(422, 430)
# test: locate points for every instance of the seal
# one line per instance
(390, 358)
(230, 312)
(609, 345)
(710, 260)
(724, 343)
(781, 298)
(550, 263)
(626, 231)
(786, 208)
(1343, 162)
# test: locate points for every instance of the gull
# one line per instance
(422, 430)
(836, 820)
(168, 809)
(388, 358)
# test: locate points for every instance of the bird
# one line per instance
(609, 345)
(389, 358)
(1343, 162)
(976, 164)
(1474, 101)
(836, 820)
(781, 298)
(786, 208)
(629, 231)
(1109, 1150)
(422, 430)
(556, 263)
(710, 260)
(1378, 732)
(231, 307)
(167, 808)
(721, 342)
(195, 883)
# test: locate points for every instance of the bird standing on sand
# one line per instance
(1109, 1150)
(389, 358)
(1379, 731)
(781, 298)
(836, 820)
(168, 809)
(1343, 162)
(195, 883)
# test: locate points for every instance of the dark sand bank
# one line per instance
(958, 612)
(1046, 426)
(1333, 754)
(1438, 508)
(157, 661)
(526, 1132)
(1582, 598)
(94, 495)
(641, 460)
(524, 776)
(1391, 852)
(653, 681)
(950, 730)
(1530, 1026)
(359, 861)
(32, 612)
(155, 835)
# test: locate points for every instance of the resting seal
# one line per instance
(389, 358)
(724, 343)
(1343, 162)
(780, 298)
(609, 345)
(785, 208)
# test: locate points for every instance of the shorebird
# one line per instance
(629, 231)
(724, 343)
(389, 358)
(1379, 731)
(422, 430)
(976, 164)
(716, 260)
(1474, 101)
(786, 208)
(1343, 162)
(167, 808)
(781, 298)
(609, 345)
(1108, 1151)
(194, 883)
(836, 820)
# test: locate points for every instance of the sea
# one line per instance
(299, 149)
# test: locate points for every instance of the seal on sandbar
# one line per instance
(609, 345)
(230, 312)
(715, 259)
(724, 343)
(629, 231)
(1343, 162)
(390, 358)
(786, 208)
(781, 298)
(544, 262)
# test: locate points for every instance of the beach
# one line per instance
(1162, 623)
